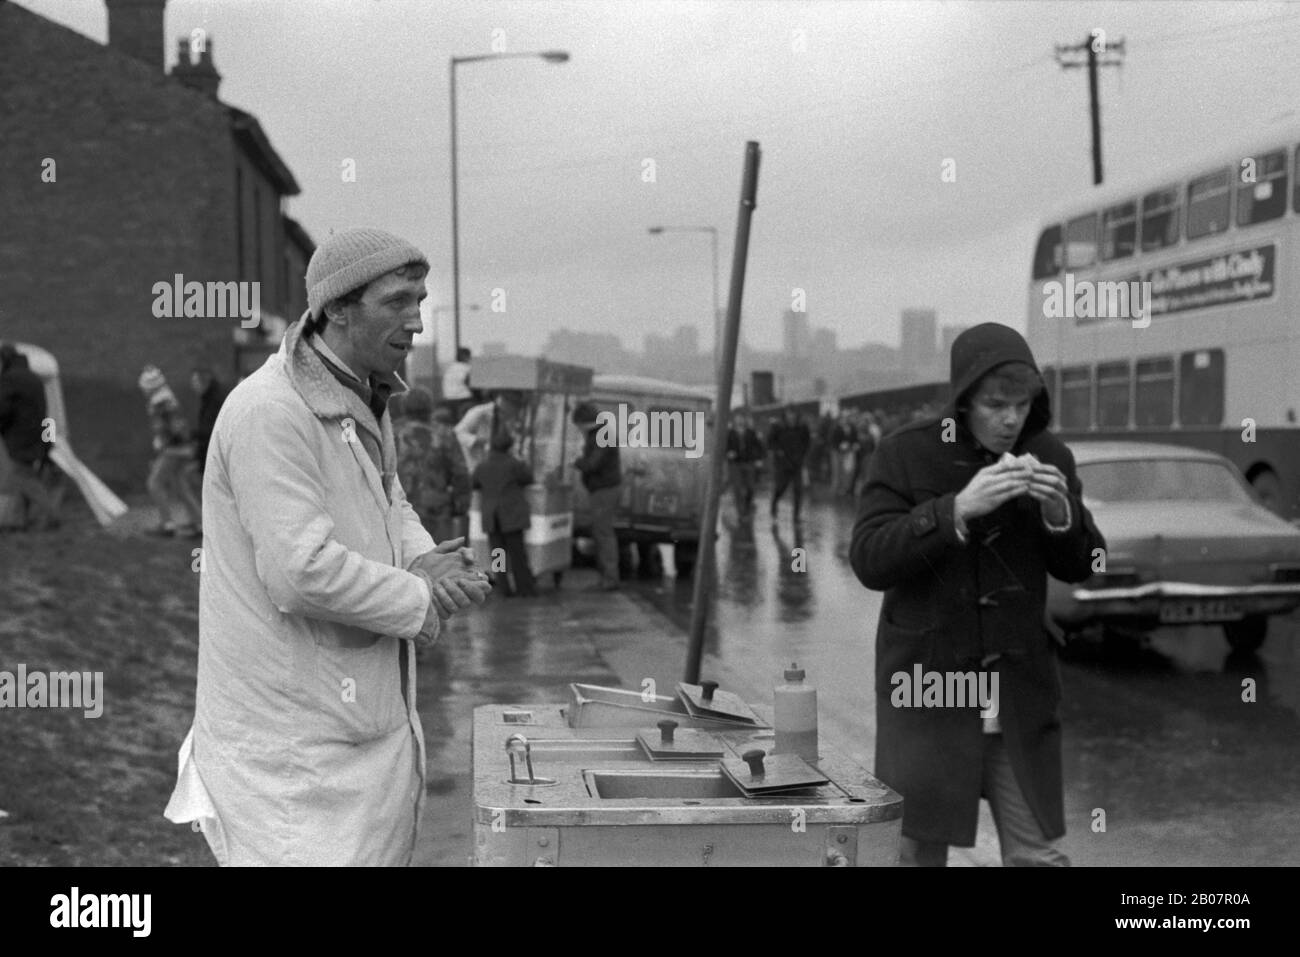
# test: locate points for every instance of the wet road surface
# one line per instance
(1160, 747)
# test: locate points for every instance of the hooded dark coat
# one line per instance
(954, 606)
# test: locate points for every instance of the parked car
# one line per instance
(1187, 543)
(662, 495)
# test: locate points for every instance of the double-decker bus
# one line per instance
(1213, 361)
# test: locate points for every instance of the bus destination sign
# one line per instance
(1239, 276)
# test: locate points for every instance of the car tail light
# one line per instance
(1285, 573)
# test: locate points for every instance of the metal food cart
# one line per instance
(611, 779)
(548, 390)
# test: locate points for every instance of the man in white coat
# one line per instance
(317, 579)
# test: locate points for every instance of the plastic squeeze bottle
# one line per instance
(795, 710)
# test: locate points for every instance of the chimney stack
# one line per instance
(197, 74)
(135, 27)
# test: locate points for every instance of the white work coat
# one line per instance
(306, 747)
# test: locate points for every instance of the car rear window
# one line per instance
(1161, 480)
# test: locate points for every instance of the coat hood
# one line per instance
(981, 349)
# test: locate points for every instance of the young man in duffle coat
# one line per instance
(963, 517)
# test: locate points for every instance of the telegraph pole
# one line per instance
(1094, 45)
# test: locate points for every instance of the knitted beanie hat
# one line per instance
(352, 258)
(151, 379)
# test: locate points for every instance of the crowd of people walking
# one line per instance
(798, 450)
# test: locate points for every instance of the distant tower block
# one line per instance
(797, 335)
(918, 331)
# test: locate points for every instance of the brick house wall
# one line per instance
(146, 174)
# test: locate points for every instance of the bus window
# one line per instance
(1118, 231)
(1200, 394)
(1076, 398)
(1047, 257)
(1081, 241)
(1263, 195)
(1207, 204)
(1112, 395)
(1160, 215)
(1153, 403)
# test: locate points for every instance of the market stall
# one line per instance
(540, 396)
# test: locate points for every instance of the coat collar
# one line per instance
(328, 398)
(325, 395)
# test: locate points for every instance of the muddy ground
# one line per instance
(91, 791)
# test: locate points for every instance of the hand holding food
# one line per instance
(990, 487)
(1045, 483)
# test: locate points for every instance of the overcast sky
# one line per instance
(856, 105)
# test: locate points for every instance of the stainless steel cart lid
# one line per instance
(669, 742)
(757, 772)
(705, 701)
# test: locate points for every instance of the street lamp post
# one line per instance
(713, 240)
(550, 56)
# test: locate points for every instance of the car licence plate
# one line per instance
(1188, 611)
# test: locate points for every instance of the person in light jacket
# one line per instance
(481, 422)
(172, 476)
(316, 580)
